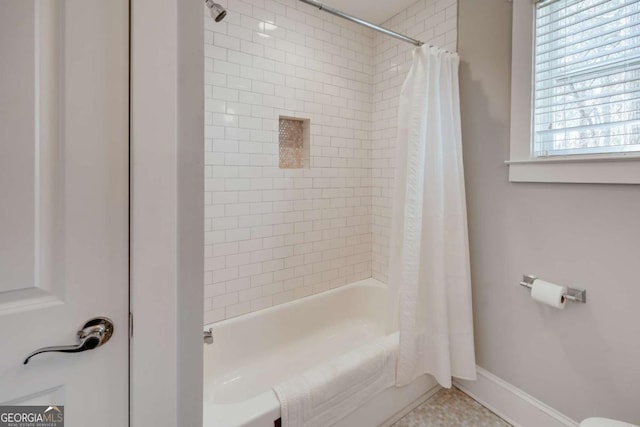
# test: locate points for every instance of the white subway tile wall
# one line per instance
(433, 22)
(271, 234)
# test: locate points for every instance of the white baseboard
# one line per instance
(512, 404)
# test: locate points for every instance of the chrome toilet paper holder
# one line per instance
(573, 294)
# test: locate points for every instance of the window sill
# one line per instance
(624, 169)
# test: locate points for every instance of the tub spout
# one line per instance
(208, 336)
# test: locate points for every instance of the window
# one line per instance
(578, 104)
(587, 77)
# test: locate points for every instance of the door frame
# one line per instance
(167, 212)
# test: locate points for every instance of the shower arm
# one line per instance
(362, 22)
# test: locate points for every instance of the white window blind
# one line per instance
(586, 77)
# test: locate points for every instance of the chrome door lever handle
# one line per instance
(93, 334)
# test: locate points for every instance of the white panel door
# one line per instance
(64, 204)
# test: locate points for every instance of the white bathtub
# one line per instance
(252, 353)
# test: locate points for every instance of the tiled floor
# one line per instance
(451, 408)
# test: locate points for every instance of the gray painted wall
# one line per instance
(583, 360)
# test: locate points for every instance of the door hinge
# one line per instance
(130, 325)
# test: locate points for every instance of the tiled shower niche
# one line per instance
(293, 141)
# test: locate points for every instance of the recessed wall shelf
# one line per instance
(293, 140)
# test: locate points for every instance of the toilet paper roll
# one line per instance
(549, 293)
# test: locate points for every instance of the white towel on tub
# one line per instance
(331, 391)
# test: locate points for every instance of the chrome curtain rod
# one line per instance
(362, 22)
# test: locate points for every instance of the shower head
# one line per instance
(217, 11)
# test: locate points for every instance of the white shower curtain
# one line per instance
(429, 250)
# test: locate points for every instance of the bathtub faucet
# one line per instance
(208, 336)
